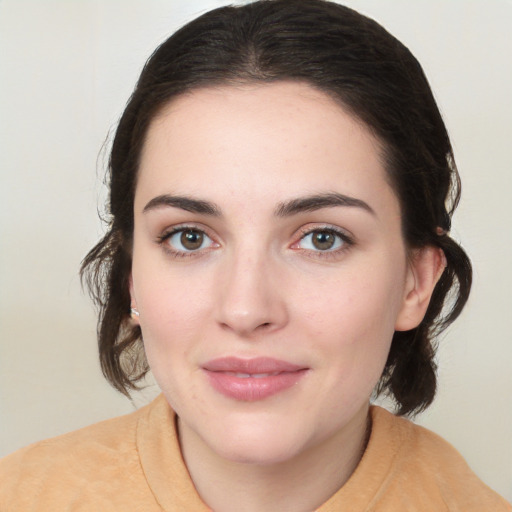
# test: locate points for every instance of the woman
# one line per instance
(281, 186)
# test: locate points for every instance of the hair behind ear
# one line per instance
(453, 286)
(106, 273)
(410, 372)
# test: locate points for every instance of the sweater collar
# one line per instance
(170, 482)
(161, 460)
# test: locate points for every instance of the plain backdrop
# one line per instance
(66, 71)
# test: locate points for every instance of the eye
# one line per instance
(188, 240)
(324, 240)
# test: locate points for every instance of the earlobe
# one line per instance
(425, 268)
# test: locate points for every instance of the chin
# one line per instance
(258, 452)
(258, 443)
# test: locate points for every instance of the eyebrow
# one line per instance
(319, 201)
(285, 209)
(188, 204)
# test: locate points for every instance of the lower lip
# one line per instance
(251, 389)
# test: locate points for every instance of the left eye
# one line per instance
(321, 240)
(188, 240)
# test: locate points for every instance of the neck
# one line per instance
(300, 484)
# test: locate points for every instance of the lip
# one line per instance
(253, 379)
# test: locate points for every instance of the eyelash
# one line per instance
(346, 240)
(175, 253)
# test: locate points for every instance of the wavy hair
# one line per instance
(361, 66)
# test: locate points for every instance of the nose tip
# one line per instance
(251, 302)
(246, 323)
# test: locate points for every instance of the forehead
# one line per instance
(259, 140)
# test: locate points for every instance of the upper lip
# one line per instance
(255, 365)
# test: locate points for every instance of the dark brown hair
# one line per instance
(358, 63)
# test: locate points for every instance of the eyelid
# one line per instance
(308, 229)
(172, 230)
(346, 237)
(312, 227)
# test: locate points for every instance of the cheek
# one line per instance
(350, 322)
(172, 319)
(172, 313)
(176, 322)
(172, 306)
(353, 305)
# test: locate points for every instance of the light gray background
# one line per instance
(66, 71)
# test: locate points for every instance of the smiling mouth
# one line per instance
(252, 375)
(250, 380)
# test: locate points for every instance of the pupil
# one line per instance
(191, 239)
(323, 240)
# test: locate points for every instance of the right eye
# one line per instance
(187, 240)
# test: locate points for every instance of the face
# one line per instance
(269, 267)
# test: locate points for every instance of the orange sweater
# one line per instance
(133, 463)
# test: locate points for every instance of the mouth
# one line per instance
(252, 375)
(254, 379)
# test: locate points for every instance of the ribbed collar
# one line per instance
(161, 460)
(376, 468)
(170, 482)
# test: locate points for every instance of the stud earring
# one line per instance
(134, 313)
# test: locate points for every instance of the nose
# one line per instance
(251, 296)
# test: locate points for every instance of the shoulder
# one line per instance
(76, 460)
(113, 435)
(431, 467)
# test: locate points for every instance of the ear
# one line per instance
(425, 268)
(133, 303)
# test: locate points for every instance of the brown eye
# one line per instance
(187, 240)
(323, 240)
(191, 240)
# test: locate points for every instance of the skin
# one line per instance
(258, 286)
